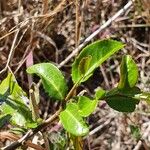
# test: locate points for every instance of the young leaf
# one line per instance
(100, 94)
(52, 79)
(123, 101)
(99, 52)
(72, 121)
(86, 106)
(128, 73)
(135, 131)
(13, 102)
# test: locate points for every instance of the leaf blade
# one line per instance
(122, 104)
(128, 73)
(86, 106)
(102, 51)
(123, 101)
(13, 102)
(72, 121)
(52, 79)
(100, 94)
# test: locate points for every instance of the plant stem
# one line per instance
(77, 142)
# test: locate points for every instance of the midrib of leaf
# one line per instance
(52, 83)
(125, 96)
(73, 117)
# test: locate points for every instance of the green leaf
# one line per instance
(52, 79)
(86, 106)
(100, 94)
(95, 54)
(122, 104)
(72, 121)
(33, 124)
(123, 101)
(129, 92)
(13, 102)
(135, 131)
(128, 73)
(19, 119)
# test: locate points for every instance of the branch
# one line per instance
(11, 51)
(32, 132)
(12, 137)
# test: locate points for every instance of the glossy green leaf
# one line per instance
(98, 52)
(100, 94)
(52, 79)
(13, 102)
(128, 73)
(129, 92)
(72, 121)
(122, 104)
(86, 106)
(123, 101)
